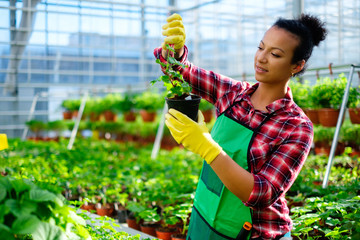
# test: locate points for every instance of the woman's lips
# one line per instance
(260, 69)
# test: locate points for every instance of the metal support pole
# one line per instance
(77, 122)
(338, 126)
(31, 113)
(159, 134)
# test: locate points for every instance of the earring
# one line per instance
(292, 74)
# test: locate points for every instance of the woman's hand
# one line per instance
(194, 136)
(175, 33)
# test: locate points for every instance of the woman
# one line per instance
(260, 139)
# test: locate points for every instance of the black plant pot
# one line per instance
(188, 107)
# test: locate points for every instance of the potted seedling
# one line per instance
(57, 127)
(168, 223)
(354, 105)
(148, 103)
(126, 106)
(36, 126)
(93, 109)
(179, 94)
(301, 93)
(183, 212)
(151, 221)
(134, 220)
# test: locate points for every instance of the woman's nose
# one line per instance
(262, 57)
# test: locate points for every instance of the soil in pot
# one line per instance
(178, 236)
(165, 233)
(189, 107)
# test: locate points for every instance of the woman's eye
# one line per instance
(260, 48)
(275, 55)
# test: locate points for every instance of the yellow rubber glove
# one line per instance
(174, 31)
(192, 135)
(3, 142)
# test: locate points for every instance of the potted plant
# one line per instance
(351, 137)
(148, 103)
(126, 106)
(327, 95)
(93, 109)
(36, 126)
(57, 126)
(183, 212)
(151, 221)
(301, 93)
(134, 220)
(109, 103)
(168, 223)
(354, 105)
(323, 137)
(179, 94)
(105, 208)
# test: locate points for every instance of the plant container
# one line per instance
(88, 206)
(129, 116)
(328, 116)
(149, 228)
(147, 116)
(109, 116)
(107, 210)
(188, 107)
(354, 114)
(312, 115)
(165, 233)
(67, 115)
(131, 222)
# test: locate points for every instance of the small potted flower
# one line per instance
(148, 103)
(179, 94)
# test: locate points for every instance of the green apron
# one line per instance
(217, 213)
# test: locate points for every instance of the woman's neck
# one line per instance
(265, 94)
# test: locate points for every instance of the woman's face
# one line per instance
(273, 58)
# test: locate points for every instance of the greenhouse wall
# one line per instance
(52, 50)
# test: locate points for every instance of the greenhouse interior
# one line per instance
(79, 159)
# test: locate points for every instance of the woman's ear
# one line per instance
(299, 66)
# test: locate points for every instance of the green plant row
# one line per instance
(103, 171)
(325, 93)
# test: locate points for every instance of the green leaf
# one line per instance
(20, 185)
(39, 195)
(5, 182)
(47, 231)
(6, 232)
(25, 224)
(20, 209)
(2, 192)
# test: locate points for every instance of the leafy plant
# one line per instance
(71, 104)
(172, 79)
(149, 101)
(328, 93)
(183, 211)
(36, 126)
(354, 98)
(29, 210)
(300, 92)
(126, 104)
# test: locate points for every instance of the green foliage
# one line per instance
(354, 98)
(149, 101)
(30, 210)
(125, 104)
(301, 92)
(57, 125)
(323, 134)
(71, 104)
(173, 80)
(93, 105)
(328, 93)
(36, 126)
(205, 105)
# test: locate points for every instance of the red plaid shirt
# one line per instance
(278, 151)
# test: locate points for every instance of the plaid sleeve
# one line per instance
(280, 171)
(209, 85)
